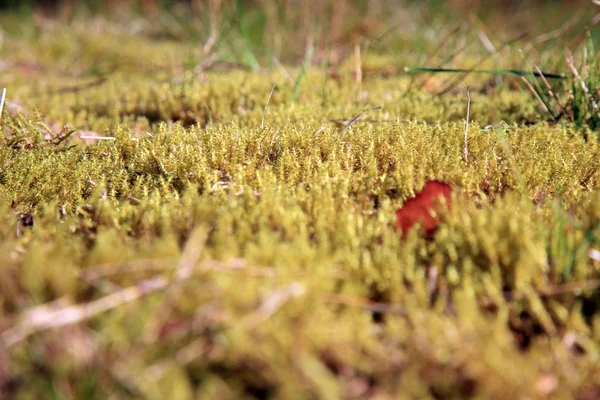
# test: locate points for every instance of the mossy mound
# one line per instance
(195, 250)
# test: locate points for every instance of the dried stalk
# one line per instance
(262, 121)
(2, 98)
(537, 96)
(583, 85)
(55, 315)
(465, 144)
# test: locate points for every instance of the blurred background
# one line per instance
(287, 27)
(57, 43)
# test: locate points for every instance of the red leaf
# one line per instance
(420, 208)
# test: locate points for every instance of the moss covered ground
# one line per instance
(166, 233)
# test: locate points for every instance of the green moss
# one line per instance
(300, 286)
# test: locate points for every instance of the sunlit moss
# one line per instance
(303, 287)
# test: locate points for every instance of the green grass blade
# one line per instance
(307, 59)
(513, 72)
(581, 250)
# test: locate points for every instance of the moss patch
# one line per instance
(190, 251)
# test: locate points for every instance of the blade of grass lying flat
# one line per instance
(305, 64)
(513, 72)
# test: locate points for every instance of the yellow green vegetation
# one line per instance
(195, 250)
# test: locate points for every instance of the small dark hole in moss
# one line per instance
(378, 296)
(525, 329)
(589, 306)
(27, 220)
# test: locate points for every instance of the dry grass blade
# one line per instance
(432, 283)
(358, 64)
(440, 46)
(458, 80)
(537, 96)
(213, 37)
(191, 253)
(106, 270)
(262, 121)
(55, 315)
(556, 290)
(265, 136)
(283, 71)
(321, 129)
(353, 120)
(272, 303)
(2, 98)
(591, 99)
(97, 137)
(550, 91)
(558, 32)
(80, 87)
(273, 138)
(486, 42)
(465, 144)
